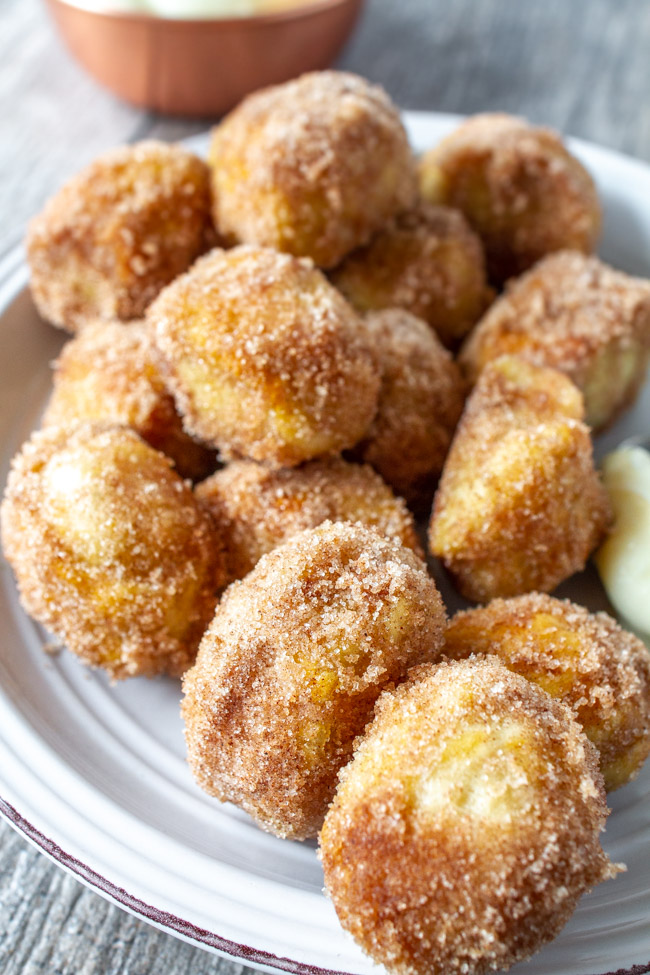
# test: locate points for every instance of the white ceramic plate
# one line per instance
(95, 775)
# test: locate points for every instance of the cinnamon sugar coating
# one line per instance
(520, 188)
(520, 506)
(427, 261)
(110, 548)
(420, 401)
(110, 371)
(580, 316)
(312, 167)
(584, 659)
(265, 358)
(466, 827)
(258, 509)
(289, 670)
(118, 232)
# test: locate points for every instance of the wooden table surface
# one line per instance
(582, 66)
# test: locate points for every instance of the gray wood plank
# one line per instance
(581, 66)
(53, 120)
(52, 925)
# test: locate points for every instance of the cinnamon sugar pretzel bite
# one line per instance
(520, 188)
(520, 505)
(289, 670)
(584, 659)
(421, 398)
(110, 548)
(312, 167)
(259, 509)
(265, 358)
(429, 262)
(118, 232)
(580, 316)
(110, 371)
(466, 827)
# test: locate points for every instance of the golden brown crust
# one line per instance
(111, 372)
(522, 191)
(520, 506)
(580, 316)
(420, 401)
(312, 167)
(584, 659)
(290, 668)
(111, 550)
(258, 509)
(467, 825)
(427, 261)
(118, 232)
(265, 358)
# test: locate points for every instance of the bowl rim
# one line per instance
(304, 10)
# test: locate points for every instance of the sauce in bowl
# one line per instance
(624, 559)
(186, 9)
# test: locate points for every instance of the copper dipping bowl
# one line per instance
(203, 67)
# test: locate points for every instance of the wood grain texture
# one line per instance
(581, 66)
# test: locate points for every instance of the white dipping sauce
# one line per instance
(179, 9)
(624, 559)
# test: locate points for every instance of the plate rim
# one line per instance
(172, 924)
(163, 920)
(12, 282)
